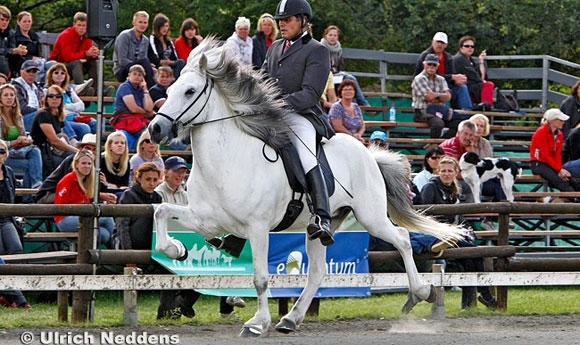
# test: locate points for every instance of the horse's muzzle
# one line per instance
(160, 130)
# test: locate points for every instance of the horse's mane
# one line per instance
(247, 91)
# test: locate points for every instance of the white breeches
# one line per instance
(304, 140)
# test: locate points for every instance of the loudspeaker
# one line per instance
(102, 19)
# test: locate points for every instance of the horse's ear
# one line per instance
(203, 62)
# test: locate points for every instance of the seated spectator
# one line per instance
(330, 41)
(571, 107)
(189, 38)
(133, 106)
(462, 142)
(115, 164)
(45, 194)
(430, 163)
(78, 187)
(132, 48)
(9, 237)
(546, 151)
(75, 126)
(9, 51)
(161, 49)
(379, 139)
(29, 93)
(266, 33)
(13, 298)
(480, 89)
(239, 44)
(430, 92)
(47, 131)
(328, 97)
(137, 232)
(147, 151)
(27, 37)
(24, 156)
(571, 152)
(3, 79)
(345, 115)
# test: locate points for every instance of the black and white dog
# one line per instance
(476, 171)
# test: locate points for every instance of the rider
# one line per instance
(299, 64)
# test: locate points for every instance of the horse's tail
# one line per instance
(396, 172)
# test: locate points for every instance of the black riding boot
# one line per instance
(229, 243)
(320, 228)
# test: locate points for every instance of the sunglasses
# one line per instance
(468, 46)
(432, 64)
(54, 95)
(435, 157)
(147, 141)
(2, 151)
(34, 70)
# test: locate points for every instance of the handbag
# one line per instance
(130, 122)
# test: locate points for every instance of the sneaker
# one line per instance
(109, 91)
(487, 225)
(236, 301)
(231, 316)
(491, 304)
(81, 89)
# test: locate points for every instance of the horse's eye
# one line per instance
(190, 92)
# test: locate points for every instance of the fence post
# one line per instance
(502, 240)
(438, 307)
(85, 242)
(130, 315)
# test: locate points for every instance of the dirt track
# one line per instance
(512, 330)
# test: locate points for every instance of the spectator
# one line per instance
(430, 92)
(345, 115)
(189, 38)
(131, 48)
(137, 233)
(3, 79)
(379, 139)
(455, 82)
(78, 187)
(239, 44)
(571, 107)
(47, 131)
(45, 194)
(546, 151)
(330, 41)
(133, 106)
(9, 51)
(77, 52)
(328, 97)
(27, 37)
(147, 151)
(13, 298)
(74, 126)
(161, 49)
(481, 145)
(29, 93)
(9, 237)
(266, 33)
(24, 157)
(455, 147)
(480, 90)
(430, 163)
(115, 163)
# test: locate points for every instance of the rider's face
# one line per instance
(290, 27)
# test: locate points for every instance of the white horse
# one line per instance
(235, 120)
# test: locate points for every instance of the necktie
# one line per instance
(287, 46)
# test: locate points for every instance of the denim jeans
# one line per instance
(460, 97)
(31, 167)
(106, 227)
(9, 240)
(28, 119)
(573, 167)
(76, 130)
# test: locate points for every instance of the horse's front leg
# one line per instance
(259, 324)
(164, 243)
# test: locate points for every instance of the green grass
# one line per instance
(109, 308)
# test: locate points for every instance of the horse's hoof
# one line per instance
(251, 332)
(432, 295)
(183, 257)
(411, 302)
(286, 326)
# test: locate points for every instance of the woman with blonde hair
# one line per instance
(147, 151)
(266, 33)
(78, 187)
(480, 145)
(115, 163)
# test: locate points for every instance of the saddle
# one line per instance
(297, 181)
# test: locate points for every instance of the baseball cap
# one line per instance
(431, 58)
(380, 135)
(175, 163)
(555, 113)
(28, 65)
(441, 37)
(88, 139)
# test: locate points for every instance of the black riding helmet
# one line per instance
(288, 8)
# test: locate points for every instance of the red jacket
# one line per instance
(69, 46)
(547, 147)
(68, 191)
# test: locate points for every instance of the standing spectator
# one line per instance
(29, 93)
(189, 38)
(161, 49)
(430, 163)
(345, 115)
(147, 151)
(455, 147)
(133, 106)
(455, 82)
(77, 52)
(546, 151)
(23, 156)
(430, 92)
(137, 233)
(480, 89)
(330, 41)
(132, 48)
(8, 49)
(73, 105)
(78, 187)
(266, 34)
(571, 107)
(239, 44)
(115, 163)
